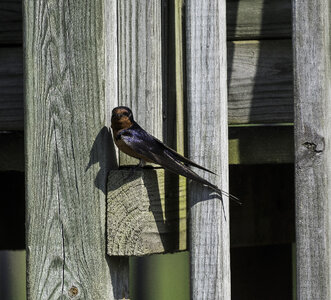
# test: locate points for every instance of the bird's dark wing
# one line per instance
(138, 138)
(181, 158)
(148, 146)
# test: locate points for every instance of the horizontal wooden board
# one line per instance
(259, 79)
(11, 89)
(247, 145)
(246, 19)
(260, 82)
(10, 22)
(258, 19)
(261, 145)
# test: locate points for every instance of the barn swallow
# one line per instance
(130, 138)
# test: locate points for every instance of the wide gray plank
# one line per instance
(260, 82)
(208, 146)
(312, 132)
(258, 19)
(67, 155)
(140, 64)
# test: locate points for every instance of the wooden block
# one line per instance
(141, 220)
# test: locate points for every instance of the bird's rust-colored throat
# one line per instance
(123, 123)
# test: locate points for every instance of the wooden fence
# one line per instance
(188, 71)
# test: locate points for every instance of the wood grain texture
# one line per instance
(10, 22)
(11, 89)
(137, 223)
(208, 146)
(140, 65)
(66, 163)
(246, 19)
(260, 82)
(111, 58)
(259, 77)
(180, 119)
(173, 107)
(258, 19)
(312, 86)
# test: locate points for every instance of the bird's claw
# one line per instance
(140, 165)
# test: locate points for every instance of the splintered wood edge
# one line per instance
(137, 222)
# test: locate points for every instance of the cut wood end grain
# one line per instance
(137, 221)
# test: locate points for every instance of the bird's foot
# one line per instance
(140, 165)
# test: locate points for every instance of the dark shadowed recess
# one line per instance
(263, 272)
(12, 210)
(262, 231)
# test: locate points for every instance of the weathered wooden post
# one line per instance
(208, 146)
(312, 91)
(140, 213)
(67, 153)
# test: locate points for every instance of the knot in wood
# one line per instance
(73, 292)
(316, 148)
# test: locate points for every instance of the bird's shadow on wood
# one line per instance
(205, 194)
(163, 221)
(153, 192)
(103, 152)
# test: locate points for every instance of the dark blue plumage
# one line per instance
(136, 142)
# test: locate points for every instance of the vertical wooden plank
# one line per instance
(119, 266)
(140, 65)
(67, 161)
(111, 58)
(145, 87)
(208, 146)
(312, 90)
(180, 121)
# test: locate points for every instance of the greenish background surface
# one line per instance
(12, 275)
(162, 277)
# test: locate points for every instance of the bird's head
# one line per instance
(121, 118)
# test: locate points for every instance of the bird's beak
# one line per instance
(116, 116)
